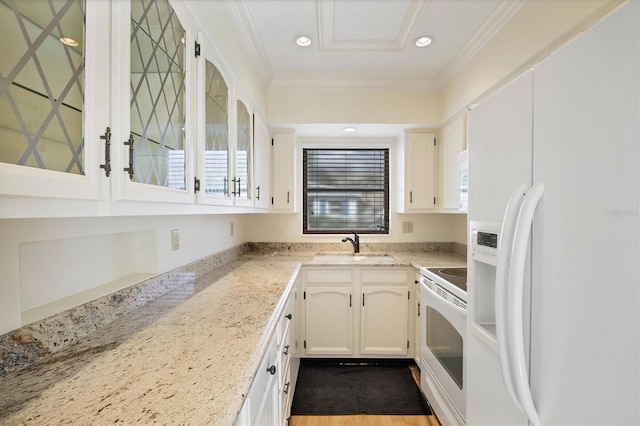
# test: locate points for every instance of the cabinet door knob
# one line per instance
(272, 370)
(286, 350)
(286, 387)
(288, 316)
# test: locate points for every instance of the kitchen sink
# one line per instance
(374, 258)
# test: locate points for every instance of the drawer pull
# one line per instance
(286, 350)
(288, 316)
(286, 387)
(272, 370)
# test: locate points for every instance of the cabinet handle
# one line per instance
(363, 300)
(411, 196)
(236, 191)
(258, 189)
(129, 169)
(107, 151)
(226, 186)
(416, 282)
(418, 308)
(286, 387)
(349, 300)
(287, 197)
(288, 316)
(272, 370)
(286, 350)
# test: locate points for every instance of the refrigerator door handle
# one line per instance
(515, 312)
(502, 272)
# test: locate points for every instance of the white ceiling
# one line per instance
(367, 44)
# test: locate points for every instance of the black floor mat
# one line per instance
(352, 387)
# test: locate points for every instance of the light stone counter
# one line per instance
(188, 357)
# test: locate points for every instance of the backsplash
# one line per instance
(364, 247)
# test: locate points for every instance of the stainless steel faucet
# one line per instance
(355, 242)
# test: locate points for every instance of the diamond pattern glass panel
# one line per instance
(41, 84)
(157, 93)
(216, 156)
(242, 150)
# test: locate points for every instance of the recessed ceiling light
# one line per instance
(423, 41)
(349, 129)
(303, 41)
(68, 41)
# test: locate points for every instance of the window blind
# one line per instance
(345, 190)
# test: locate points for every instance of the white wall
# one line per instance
(352, 106)
(288, 227)
(83, 253)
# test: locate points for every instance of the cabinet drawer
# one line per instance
(329, 276)
(286, 394)
(258, 395)
(385, 276)
(285, 320)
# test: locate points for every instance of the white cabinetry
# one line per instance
(261, 161)
(263, 396)
(58, 168)
(452, 144)
(384, 313)
(353, 312)
(283, 192)
(45, 150)
(271, 393)
(417, 172)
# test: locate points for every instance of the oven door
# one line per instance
(442, 331)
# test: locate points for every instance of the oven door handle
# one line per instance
(516, 295)
(505, 249)
(449, 304)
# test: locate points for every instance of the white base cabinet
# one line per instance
(383, 320)
(329, 320)
(356, 312)
(269, 399)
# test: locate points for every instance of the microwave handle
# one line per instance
(515, 314)
(505, 248)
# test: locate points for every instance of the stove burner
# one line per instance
(456, 276)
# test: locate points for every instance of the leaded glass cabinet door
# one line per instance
(214, 154)
(53, 100)
(244, 144)
(151, 102)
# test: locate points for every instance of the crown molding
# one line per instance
(409, 85)
(490, 28)
(242, 17)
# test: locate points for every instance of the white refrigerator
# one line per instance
(554, 158)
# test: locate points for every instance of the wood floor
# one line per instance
(366, 420)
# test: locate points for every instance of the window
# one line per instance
(345, 190)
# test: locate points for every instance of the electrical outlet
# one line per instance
(407, 227)
(231, 229)
(175, 239)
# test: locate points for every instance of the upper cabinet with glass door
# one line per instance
(99, 102)
(225, 132)
(152, 137)
(54, 100)
(243, 155)
(214, 167)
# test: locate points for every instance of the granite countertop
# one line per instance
(187, 357)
